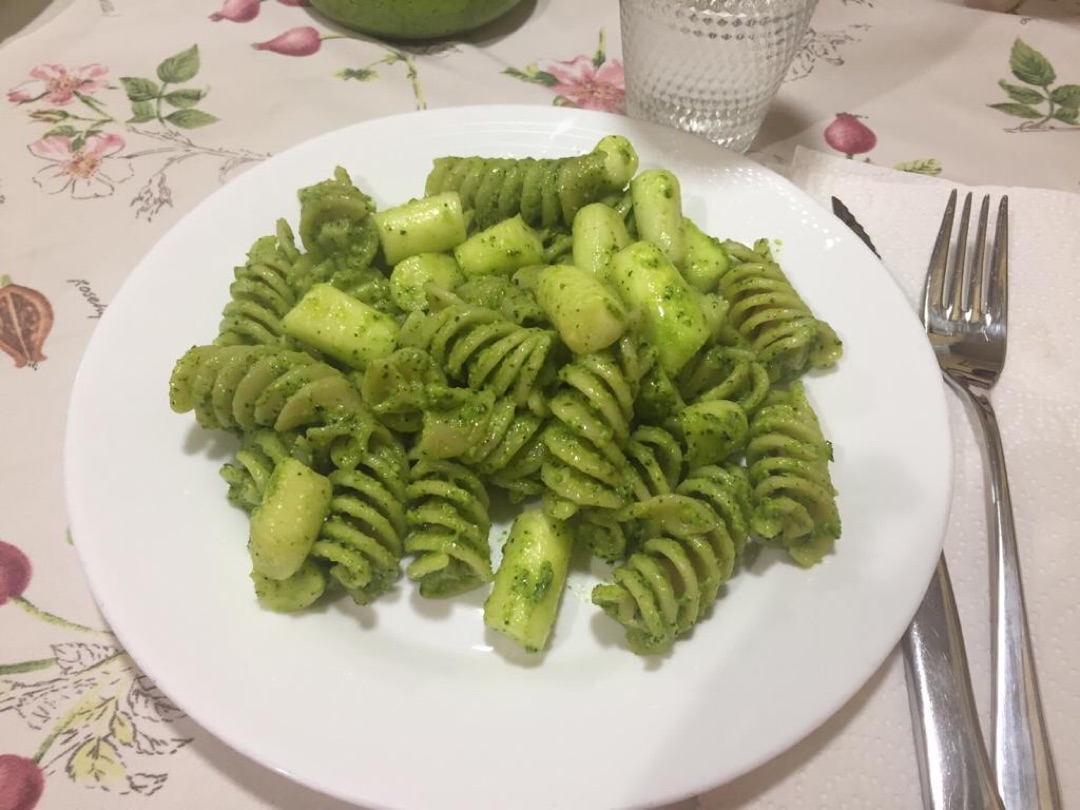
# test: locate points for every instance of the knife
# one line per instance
(954, 766)
(848, 218)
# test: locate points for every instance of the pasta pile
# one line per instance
(556, 330)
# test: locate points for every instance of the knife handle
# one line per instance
(954, 765)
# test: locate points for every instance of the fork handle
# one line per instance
(954, 767)
(1023, 760)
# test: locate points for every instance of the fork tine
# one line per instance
(933, 291)
(954, 280)
(997, 294)
(973, 305)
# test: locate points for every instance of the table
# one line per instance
(95, 169)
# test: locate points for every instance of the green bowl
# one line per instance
(413, 19)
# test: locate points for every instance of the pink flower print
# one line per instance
(302, 41)
(586, 85)
(56, 85)
(79, 170)
(237, 11)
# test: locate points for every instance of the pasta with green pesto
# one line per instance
(264, 288)
(771, 315)
(242, 387)
(448, 529)
(788, 462)
(590, 426)
(362, 539)
(553, 336)
(335, 222)
(546, 192)
(669, 581)
(484, 350)
(249, 472)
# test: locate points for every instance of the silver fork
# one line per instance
(965, 309)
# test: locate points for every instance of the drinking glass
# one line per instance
(709, 66)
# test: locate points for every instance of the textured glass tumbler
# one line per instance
(709, 66)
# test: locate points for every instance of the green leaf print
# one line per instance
(21, 667)
(929, 166)
(185, 98)
(122, 729)
(1030, 66)
(1037, 107)
(150, 100)
(359, 74)
(533, 75)
(96, 761)
(1019, 110)
(393, 56)
(180, 68)
(139, 89)
(1023, 95)
(64, 130)
(92, 103)
(50, 116)
(141, 112)
(1067, 95)
(190, 119)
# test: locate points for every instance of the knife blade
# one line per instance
(954, 764)
(845, 216)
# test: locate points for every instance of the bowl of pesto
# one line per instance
(413, 19)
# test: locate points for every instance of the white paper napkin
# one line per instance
(865, 756)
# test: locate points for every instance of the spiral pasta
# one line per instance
(725, 372)
(243, 387)
(489, 435)
(355, 273)
(397, 387)
(448, 529)
(654, 461)
(481, 348)
(263, 290)
(339, 232)
(602, 531)
(788, 463)
(726, 490)
(546, 192)
(365, 283)
(361, 541)
(498, 293)
(335, 221)
(510, 452)
(690, 544)
(665, 587)
(591, 417)
(770, 314)
(247, 476)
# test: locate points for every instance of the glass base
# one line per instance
(732, 133)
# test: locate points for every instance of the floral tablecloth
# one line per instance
(122, 115)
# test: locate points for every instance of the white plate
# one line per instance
(405, 704)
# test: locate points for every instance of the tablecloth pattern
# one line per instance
(120, 116)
